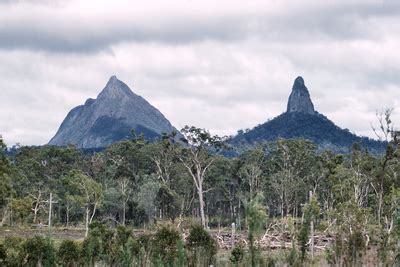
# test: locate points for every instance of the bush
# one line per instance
(166, 245)
(130, 254)
(68, 253)
(97, 246)
(3, 254)
(13, 251)
(201, 246)
(292, 258)
(39, 251)
(124, 249)
(237, 255)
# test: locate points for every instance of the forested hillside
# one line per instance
(352, 199)
(315, 127)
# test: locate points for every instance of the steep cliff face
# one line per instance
(110, 118)
(299, 99)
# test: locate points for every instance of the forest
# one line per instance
(183, 202)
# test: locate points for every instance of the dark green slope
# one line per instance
(313, 127)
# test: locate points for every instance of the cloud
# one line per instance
(82, 26)
(224, 66)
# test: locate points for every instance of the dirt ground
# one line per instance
(56, 233)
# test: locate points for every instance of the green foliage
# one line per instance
(133, 182)
(310, 213)
(21, 208)
(201, 246)
(6, 189)
(165, 244)
(256, 218)
(96, 246)
(350, 242)
(237, 255)
(291, 125)
(13, 251)
(39, 251)
(147, 196)
(68, 253)
(292, 257)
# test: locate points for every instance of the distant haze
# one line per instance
(220, 65)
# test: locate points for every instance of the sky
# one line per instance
(220, 65)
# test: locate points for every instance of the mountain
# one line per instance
(111, 118)
(302, 121)
(299, 99)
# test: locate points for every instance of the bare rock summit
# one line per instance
(111, 118)
(299, 99)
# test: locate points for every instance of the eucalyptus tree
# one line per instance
(385, 172)
(147, 195)
(34, 180)
(85, 192)
(290, 163)
(120, 169)
(323, 178)
(251, 172)
(164, 154)
(196, 158)
(6, 188)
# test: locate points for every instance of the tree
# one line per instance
(383, 180)
(290, 163)
(164, 156)
(6, 189)
(310, 214)
(251, 171)
(197, 159)
(147, 195)
(352, 235)
(87, 193)
(354, 177)
(256, 218)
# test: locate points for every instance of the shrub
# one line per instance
(129, 255)
(166, 245)
(39, 251)
(201, 246)
(124, 249)
(97, 246)
(3, 254)
(237, 255)
(68, 253)
(13, 251)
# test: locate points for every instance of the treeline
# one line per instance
(354, 197)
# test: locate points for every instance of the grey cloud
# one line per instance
(52, 29)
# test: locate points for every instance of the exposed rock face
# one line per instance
(299, 99)
(110, 118)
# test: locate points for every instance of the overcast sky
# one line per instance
(220, 65)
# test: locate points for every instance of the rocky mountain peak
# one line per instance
(115, 89)
(299, 99)
(111, 118)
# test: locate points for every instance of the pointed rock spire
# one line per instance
(115, 89)
(299, 99)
